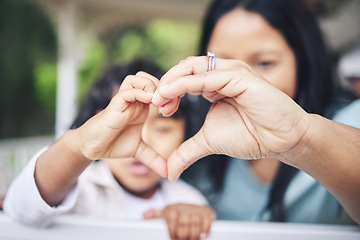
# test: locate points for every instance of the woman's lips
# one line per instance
(138, 168)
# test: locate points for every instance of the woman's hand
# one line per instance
(116, 131)
(249, 117)
(185, 221)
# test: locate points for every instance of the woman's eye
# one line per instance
(265, 64)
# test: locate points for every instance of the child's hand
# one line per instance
(116, 131)
(185, 221)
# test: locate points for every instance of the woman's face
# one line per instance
(249, 37)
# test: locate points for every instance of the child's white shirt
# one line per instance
(96, 194)
(135, 206)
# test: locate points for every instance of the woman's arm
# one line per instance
(252, 119)
(330, 152)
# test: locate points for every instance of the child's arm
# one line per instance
(185, 221)
(115, 132)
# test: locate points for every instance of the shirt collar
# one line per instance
(99, 173)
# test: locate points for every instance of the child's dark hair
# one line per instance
(103, 89)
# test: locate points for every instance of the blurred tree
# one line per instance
(28, 61)
(95, 59)
(27, 39)
(45, 86)
(162, 41)
(173, 41)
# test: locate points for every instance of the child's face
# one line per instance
(249, 37)
(163, 135)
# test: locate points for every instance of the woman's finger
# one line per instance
(189, 66)
(212, 96)
(183, 68)
(230, 83)
(170, 108)
(188, 152)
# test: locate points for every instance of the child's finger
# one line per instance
(183, 226)
(172, 221)
(195, 227)
(139, 82)
(148, 156)
(122, 99)
(149, 76)
(153, 213)
(206, 224)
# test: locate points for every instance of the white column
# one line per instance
(67, 67)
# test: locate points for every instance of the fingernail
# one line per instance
(174, 179)
(161, 109)
(154, 96)
(202, 235)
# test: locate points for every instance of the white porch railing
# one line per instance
(73, 227)
(15, 153)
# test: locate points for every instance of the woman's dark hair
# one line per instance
(103, 89)
(315, 83)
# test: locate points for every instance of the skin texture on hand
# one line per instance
(115, 132)
(185, 221)
(241, 122)
(252, 119)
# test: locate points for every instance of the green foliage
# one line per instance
(45, 85)
(132, 44)
(28, 64)
(94, 61)
(163, 41)
(27, 39)
(171, 41)
(46, 76)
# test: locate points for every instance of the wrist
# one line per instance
(73, 144)
(303, 147)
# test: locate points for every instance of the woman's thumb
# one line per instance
(187, 153)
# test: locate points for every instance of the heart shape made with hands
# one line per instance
(215, 137)
(249, 117)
